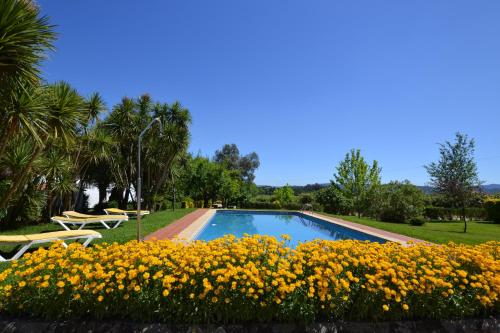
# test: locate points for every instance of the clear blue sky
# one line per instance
(299, 82)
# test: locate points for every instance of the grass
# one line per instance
(124, 233)
(437, 232)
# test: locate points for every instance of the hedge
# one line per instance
(254, 279)
(449, 214)
(275, 205)
(492, 207)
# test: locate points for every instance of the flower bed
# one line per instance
(254, 279)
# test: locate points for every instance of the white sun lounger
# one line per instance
(72, 213)
(108, 221)
(111, 211)
(28, 240)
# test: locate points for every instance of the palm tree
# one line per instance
(25, 37)
(64, 109)
(57, 170)
(84, 153)
(24, 111)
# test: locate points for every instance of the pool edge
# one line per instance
(190, 233)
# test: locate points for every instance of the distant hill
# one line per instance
(298, 189)
(489, 188)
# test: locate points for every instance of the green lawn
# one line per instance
(437, 232)
(125, 232)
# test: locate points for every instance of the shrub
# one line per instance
(261, 205)
(305, 198)
(333, 201)
(417, 221)
(401, 202)
(188, 203)
(254, 279)
(492, 207)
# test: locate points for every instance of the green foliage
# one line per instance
(227, 178)
(306, 198)
(333, 200)
(357, 180)
(262, 205)
(400, 202)
(284, 195)
(455, 174)
(417, 221)
(492, 206)
(26, 36)
(229, 157)
(450, 214)
(188, 203)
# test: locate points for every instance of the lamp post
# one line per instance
(139, 180)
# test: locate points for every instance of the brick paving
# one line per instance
(172, 230)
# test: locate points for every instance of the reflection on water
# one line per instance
(236, 224)
(287, 218)
(299, 227)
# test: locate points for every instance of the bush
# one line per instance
(417, 221)
(400, 202)
(333, 201)
(492, 207)
(261, 205)
(305, 198)
(292, 206)
(253, 279)
(188, 203)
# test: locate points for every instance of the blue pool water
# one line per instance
(299, 227)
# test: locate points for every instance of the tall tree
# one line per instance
(25, 37)
(455, 174)
(229, 156)
(64, 111)
(357, 180)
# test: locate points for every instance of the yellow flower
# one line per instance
(100, 298)
(406, 307)
(385, 307)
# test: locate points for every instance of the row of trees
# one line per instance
(228, 177)
(54, 142)
(357, 189)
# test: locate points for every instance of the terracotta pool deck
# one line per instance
(173, 230)
(188, 226)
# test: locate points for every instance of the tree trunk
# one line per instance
(6, 136)
(464, 218)
(49, 201)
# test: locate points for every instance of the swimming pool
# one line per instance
(300, 227)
